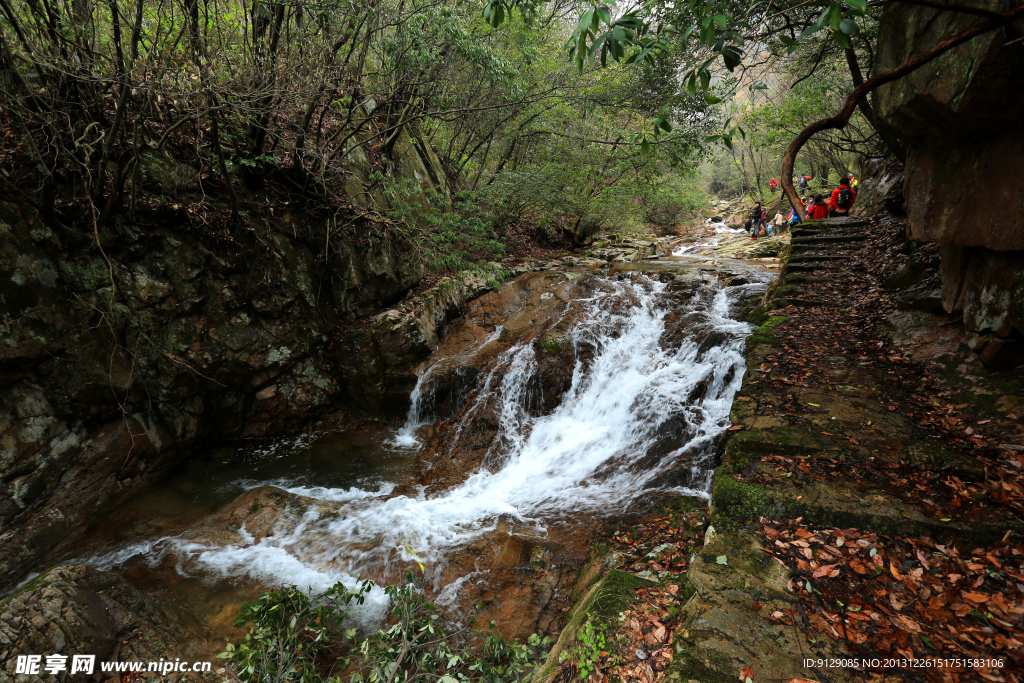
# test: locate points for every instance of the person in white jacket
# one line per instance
(779, 222)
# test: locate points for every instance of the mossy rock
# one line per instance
(766, 334)
(931, 456)
(553, 344)
(725, 625)
(767, 329)
(749, 445)
(602, 603)
(30, 585)
(743, 500)
(686, 668)
(599, 561)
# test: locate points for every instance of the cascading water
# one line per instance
(719, 226)
(406, 436)
(592, 454)
(421, 396)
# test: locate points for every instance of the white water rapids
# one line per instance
(589, 455)
(706, 242)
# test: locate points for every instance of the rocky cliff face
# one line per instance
(960, 115)
(114, 364)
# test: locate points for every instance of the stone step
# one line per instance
(824, 249)
(802, 303)
(826, 502)
(828, 239)
(725, 629)
(847, 504)
(819, 257)
(807, 267)
(805, 279)
(809, 243)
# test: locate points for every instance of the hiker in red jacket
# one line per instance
(817, 209)
(773, 184)
(842, 199)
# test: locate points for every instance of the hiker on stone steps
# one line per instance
(817, 209)
(794, 217)
(842, 199)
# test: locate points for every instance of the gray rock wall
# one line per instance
(961, 116)
(78, 610)
(113, 371)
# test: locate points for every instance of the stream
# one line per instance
(552, 406)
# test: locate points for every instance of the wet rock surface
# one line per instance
(76, 609)
(522, 577)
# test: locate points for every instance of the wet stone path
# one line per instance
(876, 460)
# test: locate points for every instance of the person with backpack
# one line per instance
(773, 184)
(817, 209)
(803, 182)
(756, 221)
(842, 199)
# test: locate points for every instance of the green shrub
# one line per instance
(290, 633)
(298, 638)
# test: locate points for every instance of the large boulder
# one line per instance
(378, 362)
(960, 116)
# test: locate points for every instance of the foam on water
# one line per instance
(337, 495)
(589, 455)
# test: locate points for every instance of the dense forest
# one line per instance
(292, 92)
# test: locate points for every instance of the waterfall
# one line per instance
(406, 436)
(719, 226)
(422, 396)
(639, 403)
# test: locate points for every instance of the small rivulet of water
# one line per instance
(651, 388)
(422, 395)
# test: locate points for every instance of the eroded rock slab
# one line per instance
(726, 626)
(76, 609)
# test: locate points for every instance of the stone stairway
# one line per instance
(824, 395)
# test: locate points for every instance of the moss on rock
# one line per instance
(602, 604)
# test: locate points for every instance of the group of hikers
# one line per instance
(804, 182)
(839, 203)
